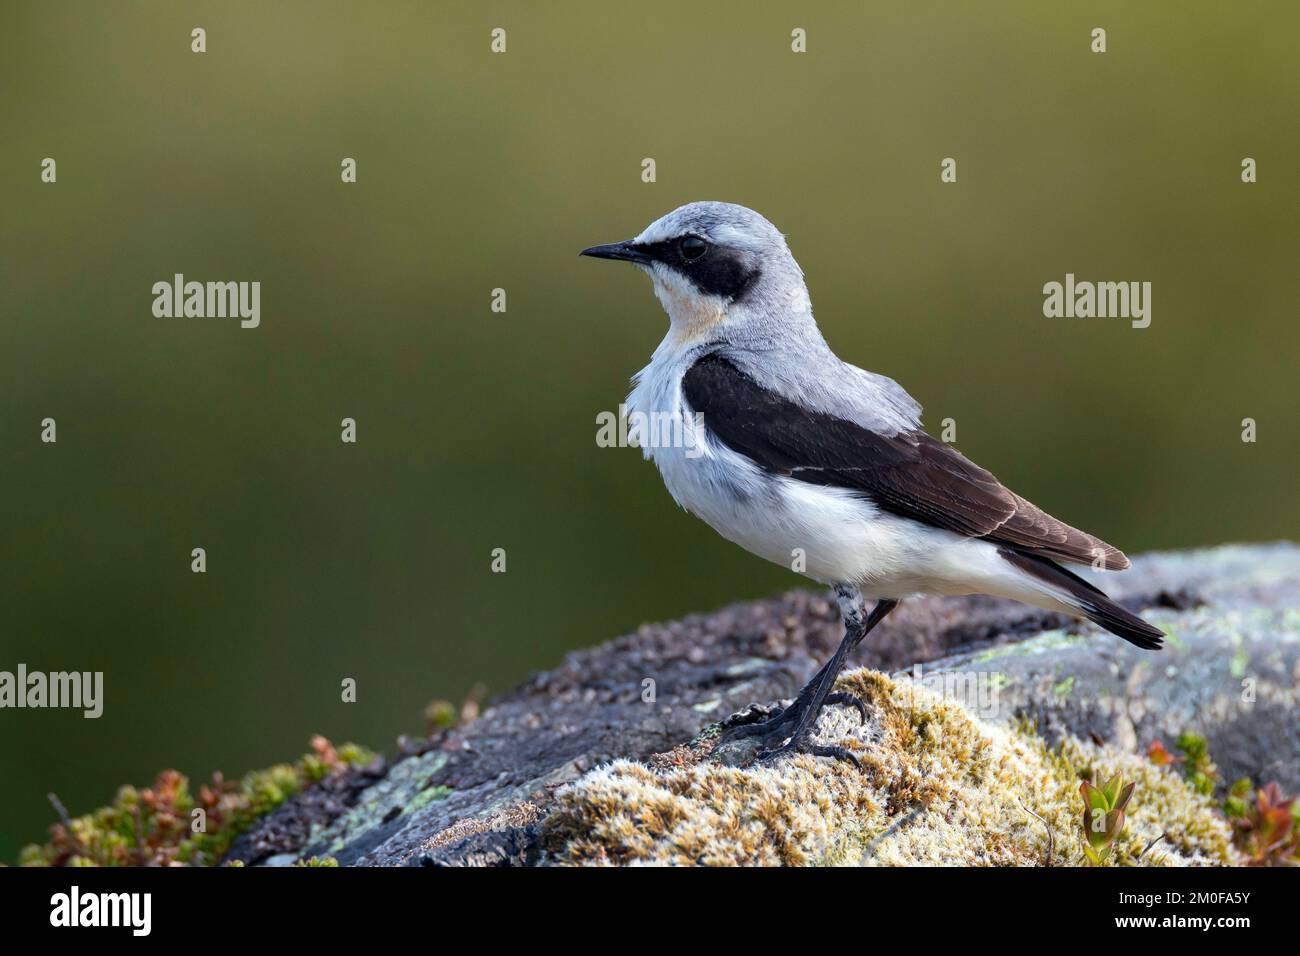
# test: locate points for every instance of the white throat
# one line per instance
(693, 316)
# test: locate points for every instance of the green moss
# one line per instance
(168, 825)
(427, 796)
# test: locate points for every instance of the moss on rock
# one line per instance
(937, 785)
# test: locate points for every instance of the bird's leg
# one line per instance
(765, 720)
(857, 624)
(777, 730)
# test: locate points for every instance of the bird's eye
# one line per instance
(692, 247)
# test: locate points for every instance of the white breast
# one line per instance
(833, 535)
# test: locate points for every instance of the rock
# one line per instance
(493, 792)
(277, 835)
(1229, 672)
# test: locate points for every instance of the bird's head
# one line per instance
(719, 269)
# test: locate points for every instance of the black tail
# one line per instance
(1093, 604)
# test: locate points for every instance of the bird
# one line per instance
(815, 464)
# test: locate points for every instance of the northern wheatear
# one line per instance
(794, 452)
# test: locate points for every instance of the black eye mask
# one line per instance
(717, 270)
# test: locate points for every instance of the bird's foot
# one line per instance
(774, 727)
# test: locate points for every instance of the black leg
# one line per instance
(786, 730)
(855, 629)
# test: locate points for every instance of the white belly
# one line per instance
(828, 534)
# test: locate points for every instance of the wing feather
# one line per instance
(909, 473)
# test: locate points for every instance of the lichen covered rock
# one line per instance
(937, 786)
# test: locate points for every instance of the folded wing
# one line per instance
(909, 473)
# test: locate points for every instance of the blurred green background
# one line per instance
(477, 430)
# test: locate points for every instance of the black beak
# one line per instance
(625, 251)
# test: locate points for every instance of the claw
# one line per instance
(816, 750)
(836, 751)
(847, 700)
(755, 716)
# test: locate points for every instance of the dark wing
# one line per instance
(908, 474)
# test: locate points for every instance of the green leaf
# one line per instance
(1111, 789)
(1093, 799)
(1124, 796)
(1094, 827)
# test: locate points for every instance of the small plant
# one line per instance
(1160, 755)
(440, 715)
(1103, 816)
(443, 715)
(168, 825)
(1197, 767)
(1194, 762)
(1265, 824)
